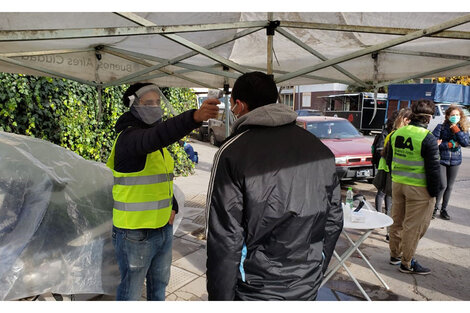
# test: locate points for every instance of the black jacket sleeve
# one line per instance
(334, 223)
(430, 153)
(175, 206)
(389, 154)
(141, 141)
(224, 234)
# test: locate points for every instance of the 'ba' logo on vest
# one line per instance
(404, 144)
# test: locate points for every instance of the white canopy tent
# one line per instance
(211, 49)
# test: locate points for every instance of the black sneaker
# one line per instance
(414, 269)
(395, 261)
(445, 215)
(434, 214)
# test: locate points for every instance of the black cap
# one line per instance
(131, 91)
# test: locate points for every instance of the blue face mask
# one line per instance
(454, 119)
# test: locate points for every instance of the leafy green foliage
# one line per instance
(69, 114)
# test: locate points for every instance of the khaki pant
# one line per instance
(411, 213)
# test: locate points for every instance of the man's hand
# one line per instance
(208, 109)
(172, 217)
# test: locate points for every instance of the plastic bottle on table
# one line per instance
(349, 197)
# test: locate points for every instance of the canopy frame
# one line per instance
(159, 65)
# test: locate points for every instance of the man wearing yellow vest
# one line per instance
(144, 206)
(414, 161)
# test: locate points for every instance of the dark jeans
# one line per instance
(143, 253)
(379, 199)
(448, 175)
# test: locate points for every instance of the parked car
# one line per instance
(308, 112)
(352, 152)
(216, 126)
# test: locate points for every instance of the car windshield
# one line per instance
(464, 109)
(333, 130)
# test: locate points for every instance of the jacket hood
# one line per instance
(271, 115)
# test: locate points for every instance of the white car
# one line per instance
(440, 114)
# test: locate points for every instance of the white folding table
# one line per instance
(372, 220)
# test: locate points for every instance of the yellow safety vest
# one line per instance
(382, 162)
(143, 199)
(408, 164)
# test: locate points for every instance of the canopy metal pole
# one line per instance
(372, 29)
(185, 56)
(270, 35)
(436, 71)
(47, 71)
(394, 42)
(427, 54)
(211, 55)
(326, 79)
(135, 56)
(227, 105)
(171, 73)
(81, 33)
(43, 52)
(184, 42)
(318, 55)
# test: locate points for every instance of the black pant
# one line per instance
(448, 175)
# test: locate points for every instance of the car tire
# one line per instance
(212, 139)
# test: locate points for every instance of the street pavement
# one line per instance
(445, 248)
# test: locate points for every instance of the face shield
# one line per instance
(146, 107)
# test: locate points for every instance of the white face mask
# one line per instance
(233, 109)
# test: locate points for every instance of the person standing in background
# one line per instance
(384, 179)
(451, 136)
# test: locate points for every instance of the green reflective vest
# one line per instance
(143, 199)
(382, 163)
(407, 162)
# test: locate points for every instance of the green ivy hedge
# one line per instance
(68, 114)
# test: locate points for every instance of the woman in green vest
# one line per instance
(144, 206)
(383, 178)
(413, 158)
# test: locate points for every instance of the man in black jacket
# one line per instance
(144, 206)
(274, 203)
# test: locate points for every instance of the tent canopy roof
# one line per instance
(210, 49)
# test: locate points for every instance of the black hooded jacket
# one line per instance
(275, 190)
(139, 139)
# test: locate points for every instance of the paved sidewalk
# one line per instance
(445, 249)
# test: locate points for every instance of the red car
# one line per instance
(352, 151)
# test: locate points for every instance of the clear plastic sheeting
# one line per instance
(55, 221)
